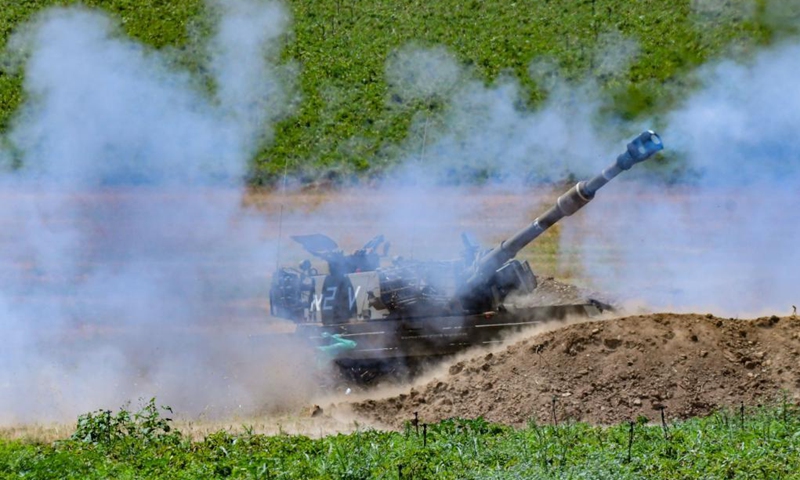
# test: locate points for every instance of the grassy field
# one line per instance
(350, 121)
(747, 443)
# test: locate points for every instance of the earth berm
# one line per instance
(610, 371)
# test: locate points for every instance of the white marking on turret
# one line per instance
(331, 298)
(353, 297)
(316, 304)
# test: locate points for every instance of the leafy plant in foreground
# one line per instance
(146, 425)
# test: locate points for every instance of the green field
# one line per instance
(351, 122)
(747, 443)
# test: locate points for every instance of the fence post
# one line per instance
(630, 441)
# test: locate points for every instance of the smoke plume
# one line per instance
(487, 133)
(719, 238)
(130, 265)
(725, 239)
(128, 259)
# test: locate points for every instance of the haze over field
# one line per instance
(728, 243)
(721, 239)
(128, 200)
(128, 204)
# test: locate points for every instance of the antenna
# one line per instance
(280, 215)
(421, 159)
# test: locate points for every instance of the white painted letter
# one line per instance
(353, 297)
(316, 304)
(331, 298)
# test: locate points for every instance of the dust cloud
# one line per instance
(716, 234)
(128, 258)
(130, 261)
(723, 239)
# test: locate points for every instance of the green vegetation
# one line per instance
(761, 443)
(349, 121)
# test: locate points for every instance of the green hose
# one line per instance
(338, 344)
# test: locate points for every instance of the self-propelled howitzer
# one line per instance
(385, 315)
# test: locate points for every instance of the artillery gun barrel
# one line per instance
(639, 150)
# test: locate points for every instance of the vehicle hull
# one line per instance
(420, 336)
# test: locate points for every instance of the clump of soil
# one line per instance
(611, 371)
(550, 291)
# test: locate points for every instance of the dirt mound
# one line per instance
(613, 370)
(550, 291)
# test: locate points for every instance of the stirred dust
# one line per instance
(611, 371)
(596, 384)
(550, 291)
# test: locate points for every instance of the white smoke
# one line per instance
(723, 10)
(126, 246)
(783, 15)
(726, 241)
(488, 135)
(250, 90)
(487, 132)
(128, 257)
(419, 73)
(720, 239)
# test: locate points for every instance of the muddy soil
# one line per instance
(610, 371)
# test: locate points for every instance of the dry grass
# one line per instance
(331, 420)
